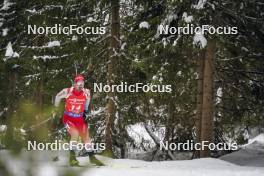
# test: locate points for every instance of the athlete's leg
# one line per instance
(84, 134)
(86, 137)
(74, 133)
(88, 146)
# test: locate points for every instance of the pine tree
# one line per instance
(112, 67)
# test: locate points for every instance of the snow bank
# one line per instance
(251, 154)
(246, 157)
(256, 143)
(139, 134)
(257, 139)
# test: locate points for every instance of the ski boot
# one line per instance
(73, 161)
(94, 160)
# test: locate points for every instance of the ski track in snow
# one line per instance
(198, 167)
(248, 161)
(42, 165)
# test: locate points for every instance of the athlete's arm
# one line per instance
(62, 94)
(87, 103)
(88, 99)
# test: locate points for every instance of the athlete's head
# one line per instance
(78, 82)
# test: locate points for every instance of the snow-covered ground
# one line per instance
(251, 154)
(248, 161)
(40, 164)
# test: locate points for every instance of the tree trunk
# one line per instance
(207, 107)
(199, 101)
(11, 92)
(39, 98)
(111, 75)
(12, 80)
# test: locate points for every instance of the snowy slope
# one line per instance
(247, 157)
(39, 163)
(199, 167)
(251, 154)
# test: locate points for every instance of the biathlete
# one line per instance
(77, 100)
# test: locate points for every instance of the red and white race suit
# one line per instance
(76, 102)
